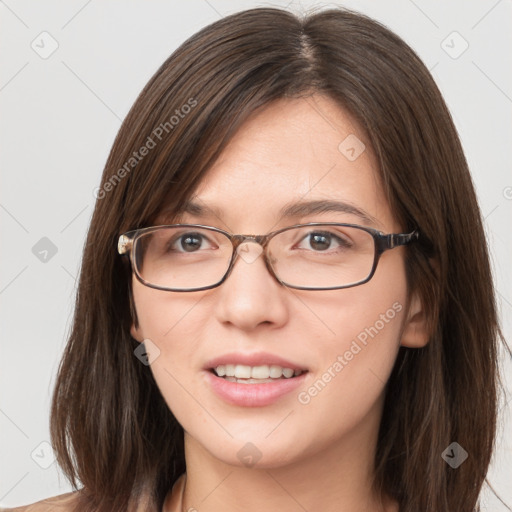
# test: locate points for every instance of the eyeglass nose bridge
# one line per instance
(237, 240)
(260, 240)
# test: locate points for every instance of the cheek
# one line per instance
(166, 324)
(357, 353)
(362, 314)
(360, 335)
(370, 320)
(162, 315)
(173, 325)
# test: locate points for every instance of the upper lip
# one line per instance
(252, 359)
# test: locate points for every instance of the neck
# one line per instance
(337, 478)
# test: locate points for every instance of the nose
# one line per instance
(251, 296)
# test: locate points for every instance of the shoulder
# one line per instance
(62, 503)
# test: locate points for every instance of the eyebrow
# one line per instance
(291, 210)
(307, 208)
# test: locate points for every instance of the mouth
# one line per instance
(253, 380)
(266, 373)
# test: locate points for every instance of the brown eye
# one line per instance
(322, 241)
(190, 242)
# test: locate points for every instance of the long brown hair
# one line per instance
(111, 429)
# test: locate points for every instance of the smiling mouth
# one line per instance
(243, 374)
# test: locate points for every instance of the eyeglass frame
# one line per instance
(382, 243)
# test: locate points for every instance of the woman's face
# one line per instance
(345, 341)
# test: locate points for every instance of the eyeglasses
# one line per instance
(314, 256)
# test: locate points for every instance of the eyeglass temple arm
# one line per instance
(386, 242)
(124, 244)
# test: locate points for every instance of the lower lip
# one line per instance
(253, 395)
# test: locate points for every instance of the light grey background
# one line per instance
(59, 116)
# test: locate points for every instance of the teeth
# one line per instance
(276, 372)
(248, 381)
(264, 372)
(287, 372)
(260, 372)
(242, 371)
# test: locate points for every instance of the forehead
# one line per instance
(293, 150)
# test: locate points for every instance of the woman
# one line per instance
(344, 361)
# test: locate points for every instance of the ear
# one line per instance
(135, 330)
(136, 333)
(414, 332)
